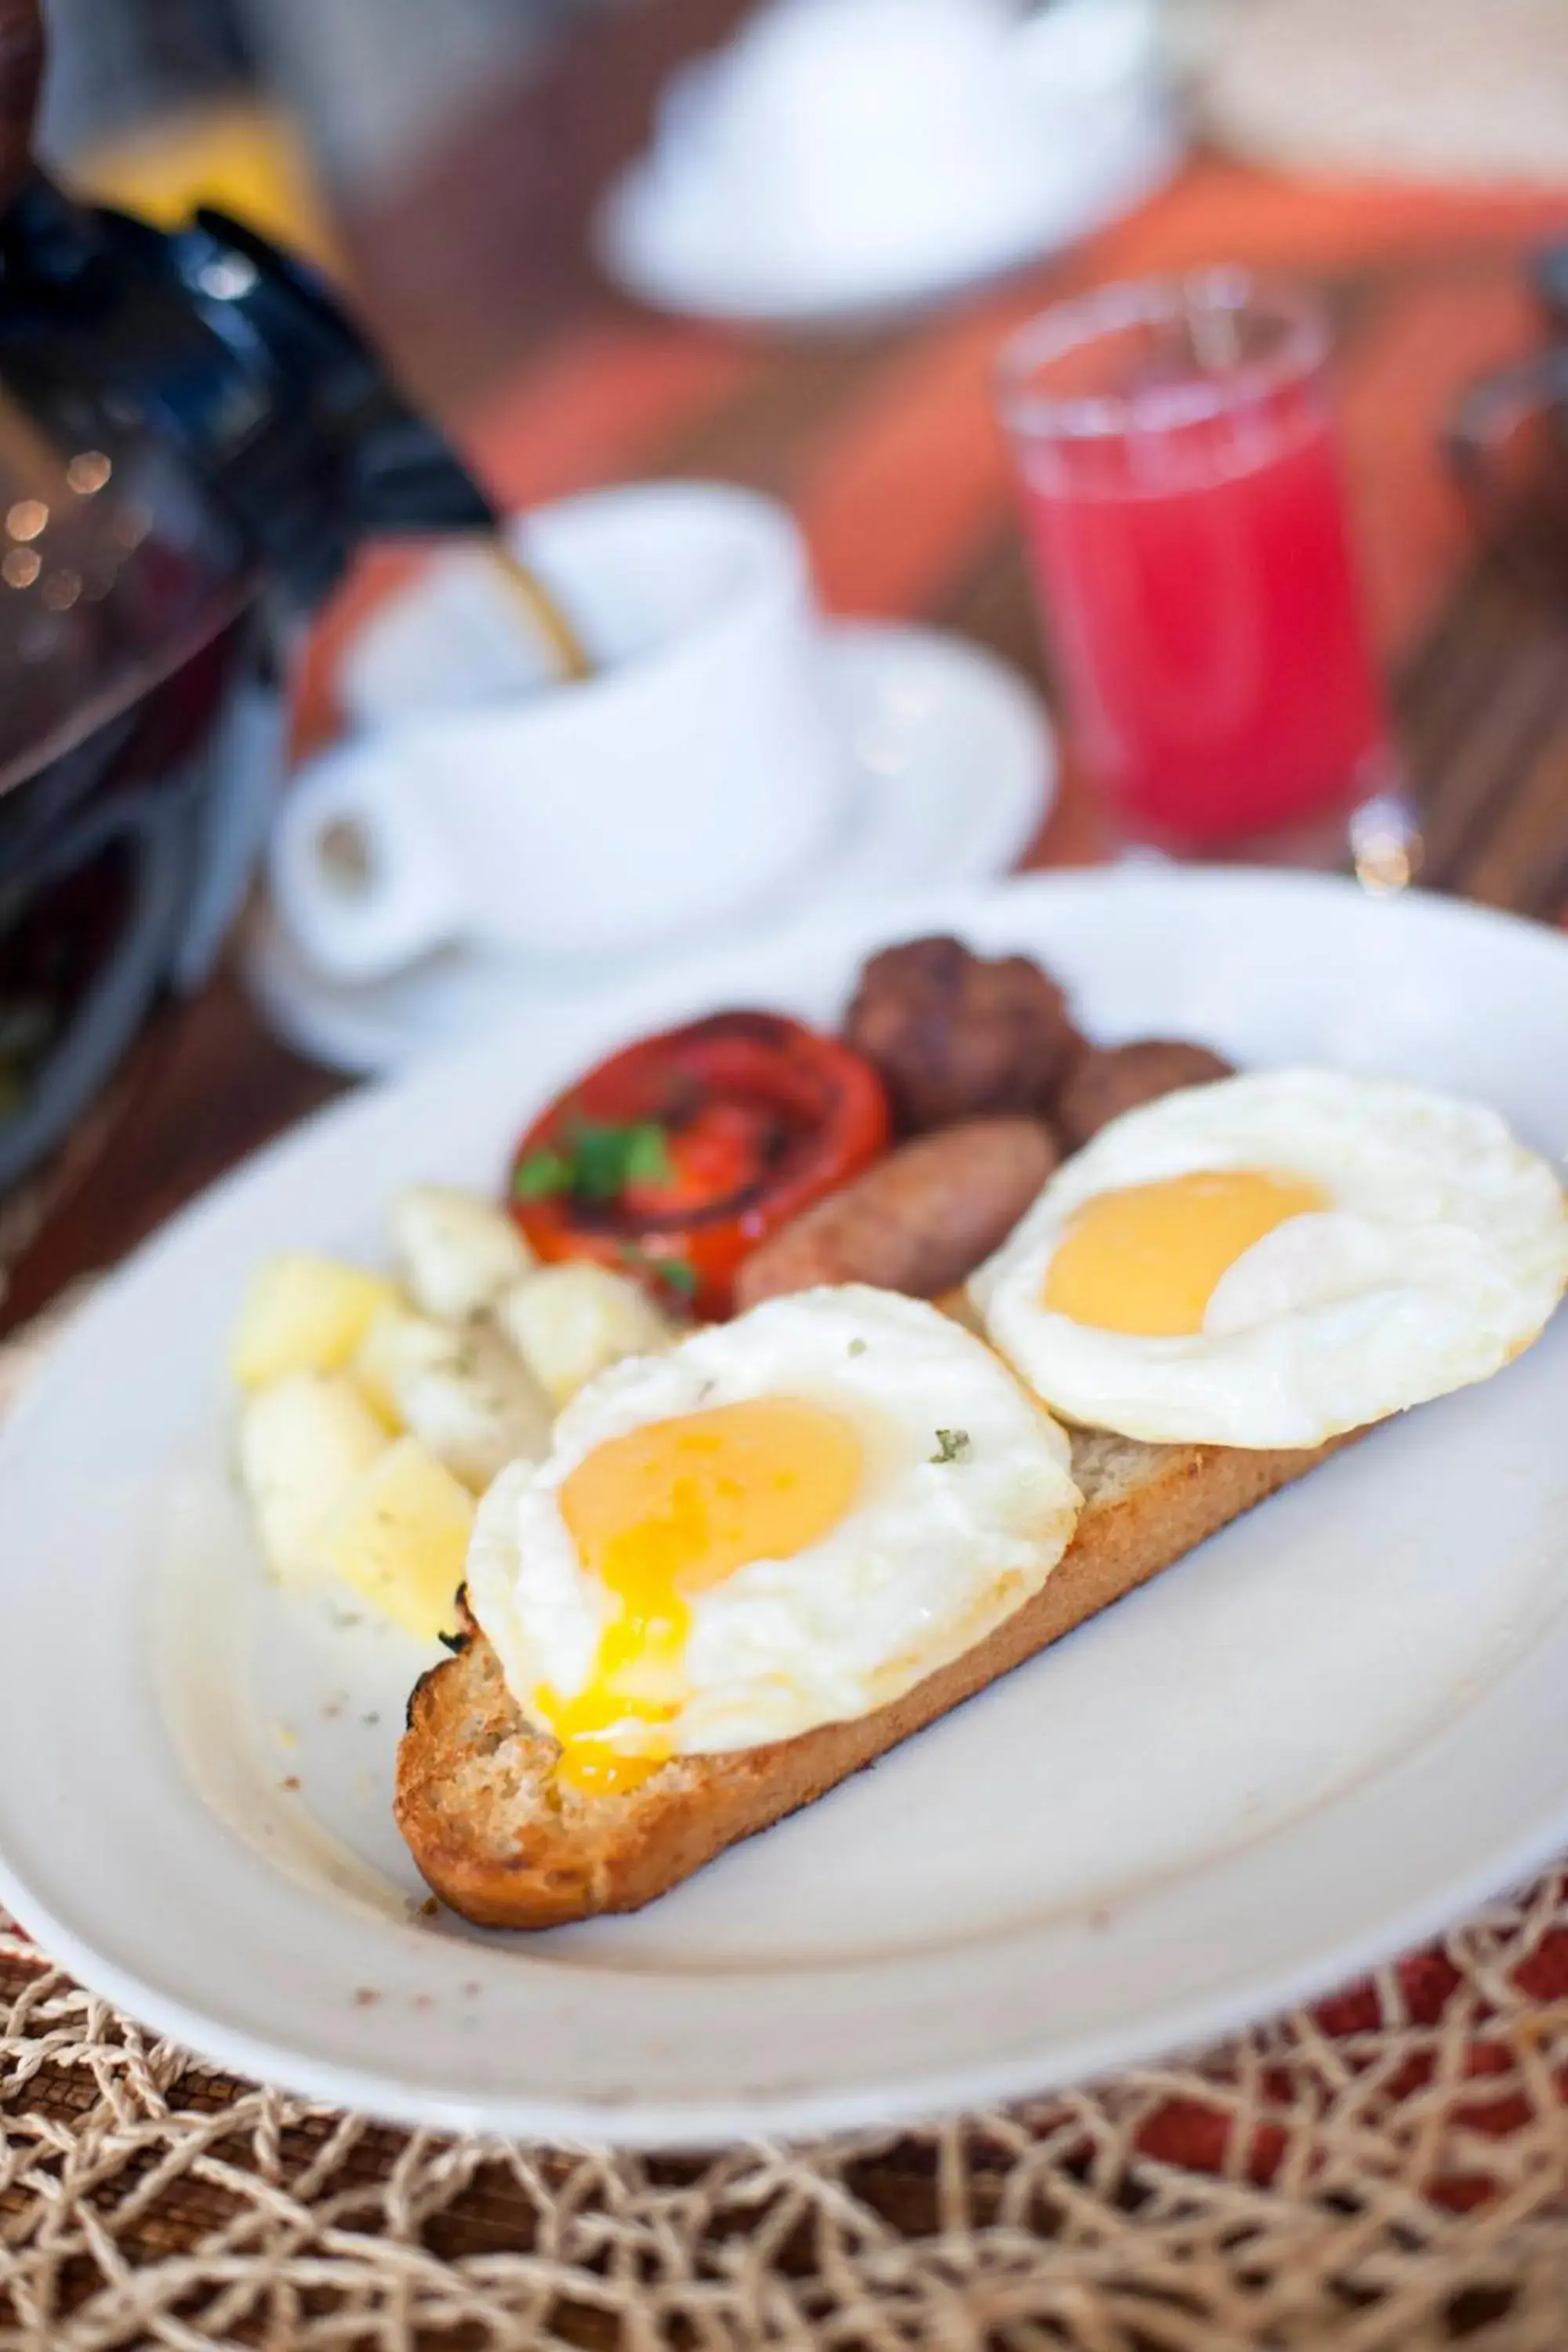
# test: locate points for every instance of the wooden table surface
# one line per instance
(477, 281)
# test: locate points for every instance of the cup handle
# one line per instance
(360, 877)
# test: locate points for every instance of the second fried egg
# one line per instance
(1276, 1259)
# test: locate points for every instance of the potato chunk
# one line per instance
(303, 1314)
(455, 1251)
(304, 1442)
(568, 1322)
(400, 1536)
(399, 1345)
(460, 1390)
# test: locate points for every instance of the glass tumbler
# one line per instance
(1187, 529)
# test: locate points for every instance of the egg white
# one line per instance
(933, 1555)
(1444, 1253)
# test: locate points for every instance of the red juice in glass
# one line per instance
(1187, 531)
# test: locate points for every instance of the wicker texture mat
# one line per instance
(1445, 89)
(1385, 2173)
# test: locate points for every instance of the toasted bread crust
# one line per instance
(504, 1843)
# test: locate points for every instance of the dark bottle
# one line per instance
(193, 439)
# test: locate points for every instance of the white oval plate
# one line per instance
(1313, 1742)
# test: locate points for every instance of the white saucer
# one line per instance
(697, 251)
(953, 766)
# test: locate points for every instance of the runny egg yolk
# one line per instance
(1146, 1260)
(670, 1510)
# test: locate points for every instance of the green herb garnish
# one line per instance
(542, 1174)
(609, 1157)
(597, 1160)
(953, 1445)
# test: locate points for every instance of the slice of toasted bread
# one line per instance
(503, 1841)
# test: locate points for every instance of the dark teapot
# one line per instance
(193, 439)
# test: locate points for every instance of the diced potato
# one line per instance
(569, 1321)
(304, 1442)
(462, 1390)
(399, 1345)
(482, 1411)
(457, 1251)
(401, 1538)
(303, 1314)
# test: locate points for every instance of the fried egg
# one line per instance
(784, 1521)
(1276, 1259)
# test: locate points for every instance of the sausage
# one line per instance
(1104, 1081)
(920, 1220)
(957, 1037)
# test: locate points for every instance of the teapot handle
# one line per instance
(152, 829)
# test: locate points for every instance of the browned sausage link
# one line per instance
(919, 1222)
(1103, 1082)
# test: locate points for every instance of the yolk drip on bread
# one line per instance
(671, 1510)
(1146, 1260)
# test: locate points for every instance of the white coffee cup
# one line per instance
(693, 772)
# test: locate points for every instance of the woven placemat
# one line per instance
(1438, 90)
(1385, 2172)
